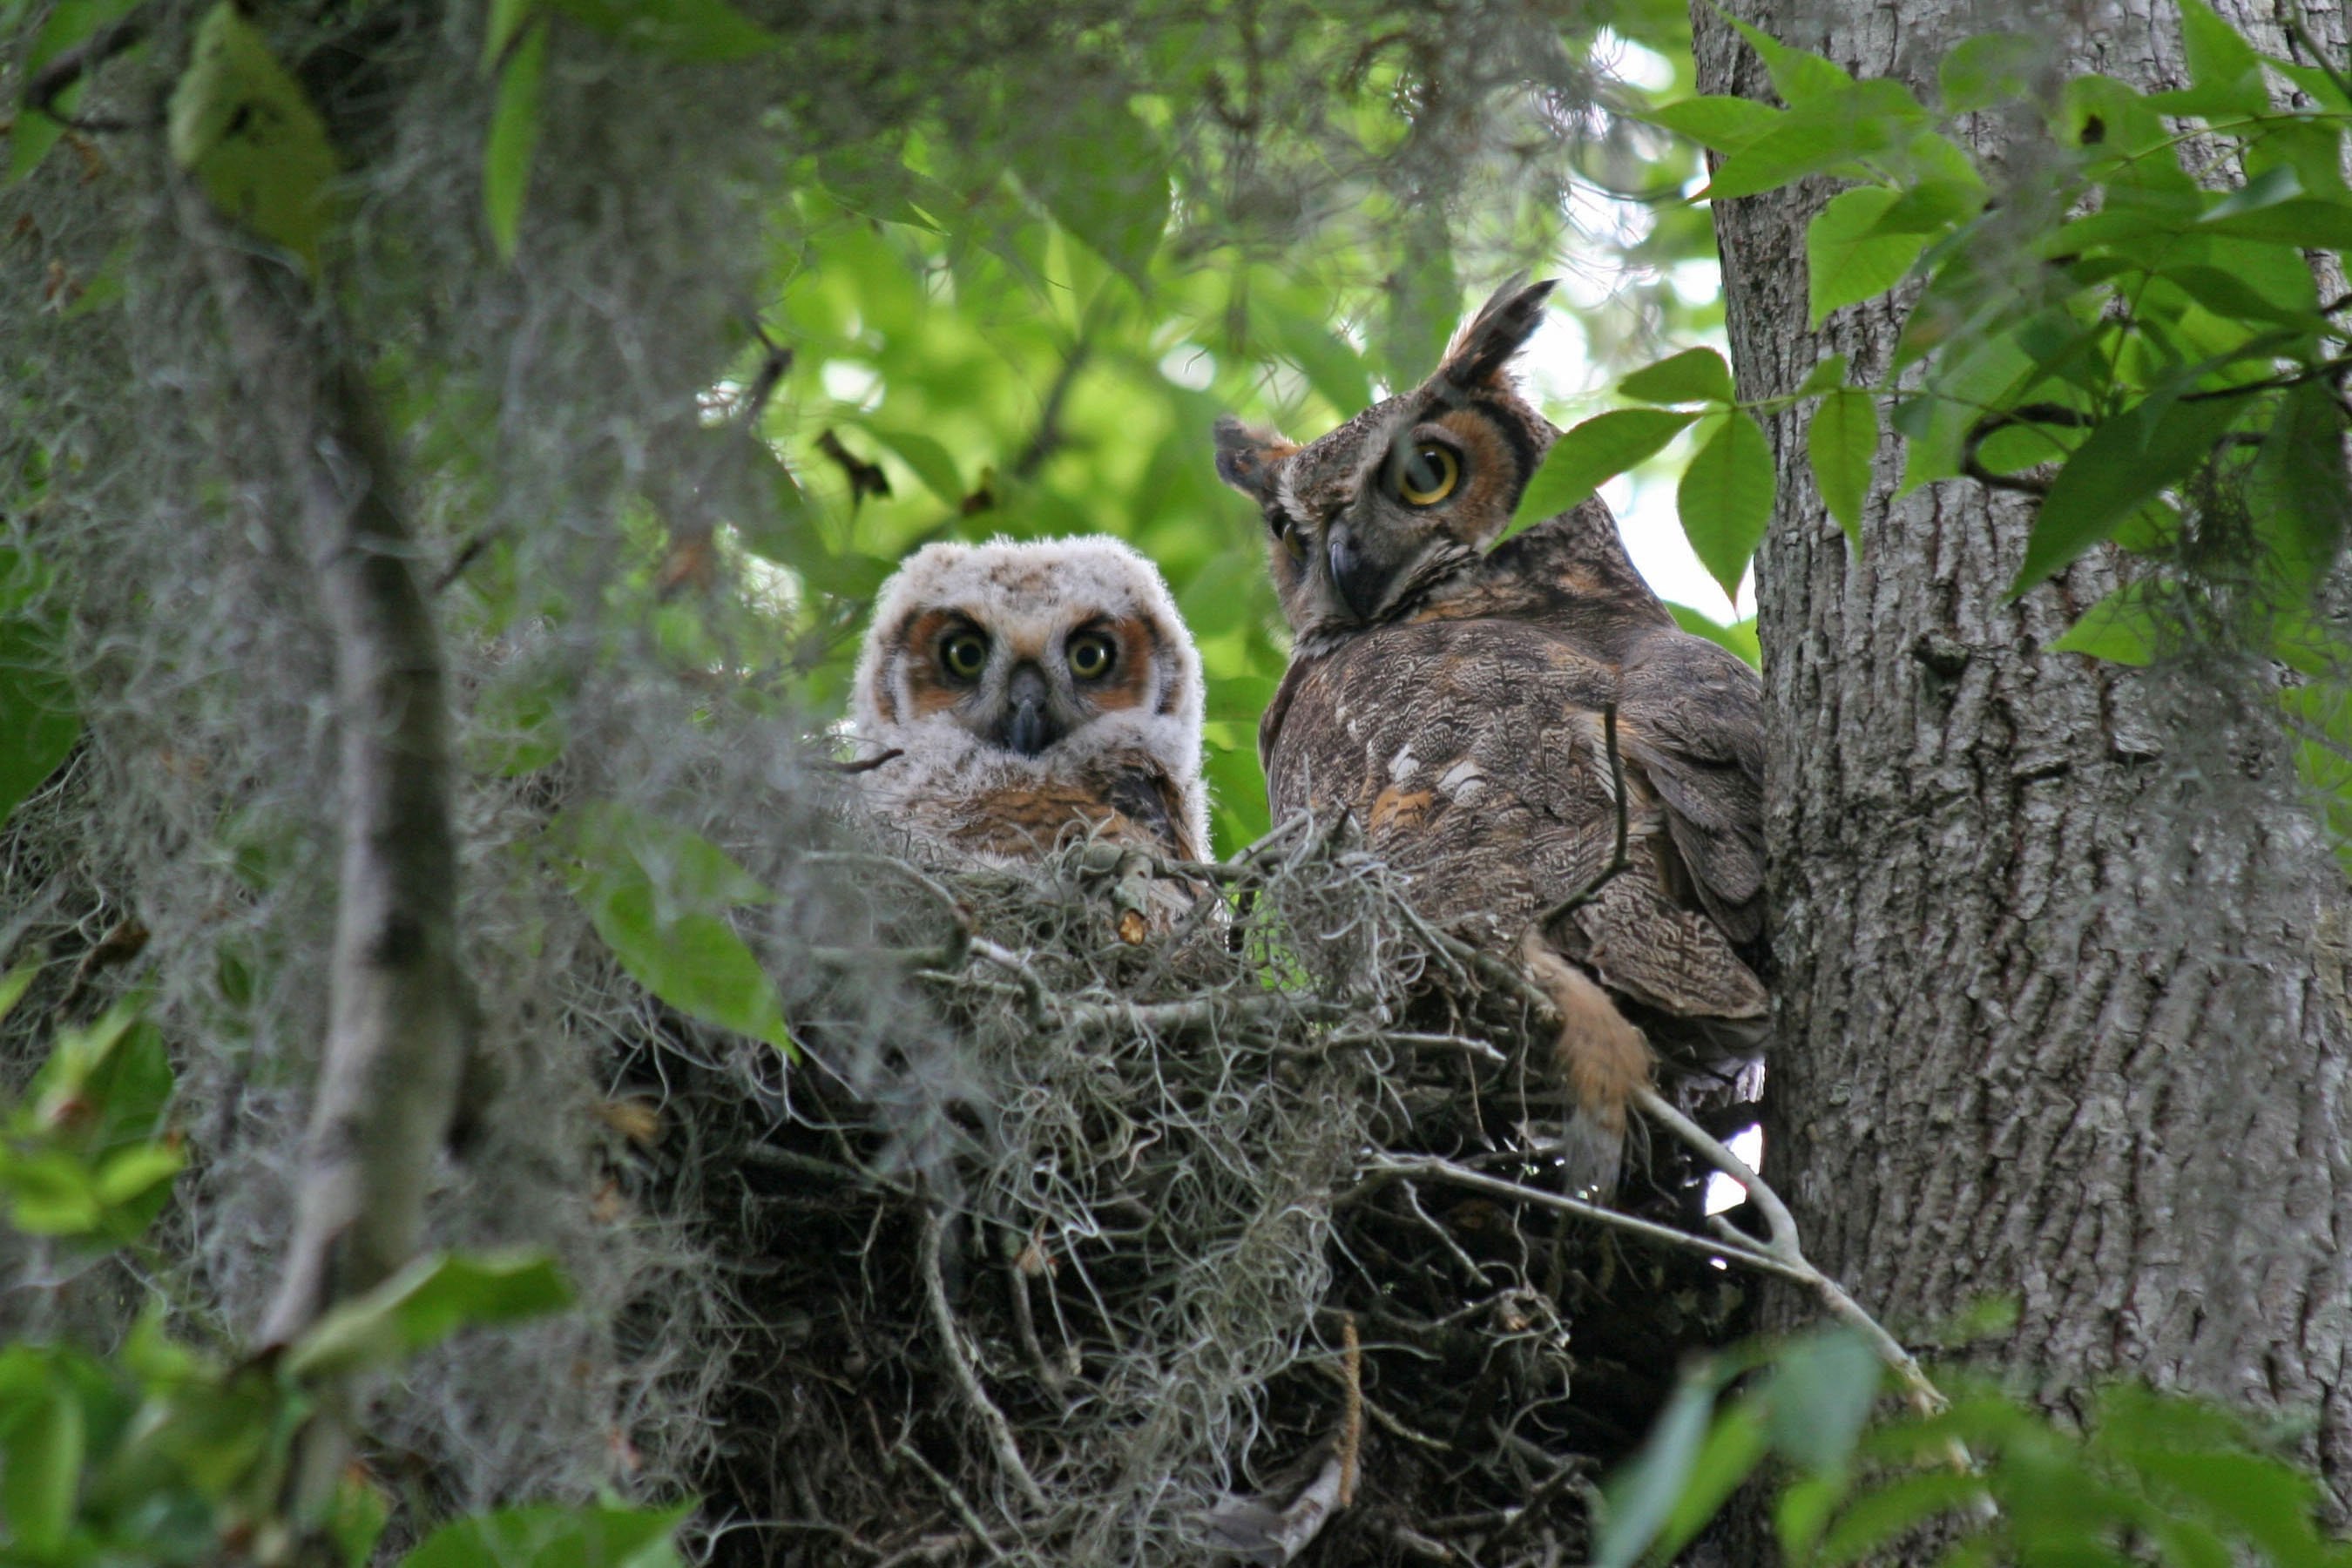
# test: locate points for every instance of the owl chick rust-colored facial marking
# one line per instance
(1451, 693)
(1034, 693)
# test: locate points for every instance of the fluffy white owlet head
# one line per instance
(1014, 675)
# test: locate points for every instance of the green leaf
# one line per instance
(1740, 637)
(43, 1441)
(1728, 1457)
(130, 1174)
(1694, 375)
(1797, 74)
(2223, 69)
(1929, 207)
(1802, 1512)
(2126, 461)
(247, 131)
(1847, 259)
(2121, 628)
(423, 1304)
(104, 1086)
(1989, 69)
(36, 704)
(687, 871)
(657, 895)
(1113, 194)
(1877, 1516)
(1802, 144)
(1843, 444)
(555, 1537)
(696, 32)
(1822, 1388)
(1330, 364)
(69, 23)
(930, 459)
(514, 135)
(2307, 223)
(358, 1520)
(2299, 500)
(1642, 1496)
(15, 983)
(1827, 375)
(1600, 449)
(1726, 124)
(2267, 1502)
(507, 20)
(1726, 497)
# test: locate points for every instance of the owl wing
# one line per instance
(1691, 720)
(1473, 753)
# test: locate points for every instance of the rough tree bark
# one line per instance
(2062, 984)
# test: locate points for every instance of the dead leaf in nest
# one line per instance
(1132, 928)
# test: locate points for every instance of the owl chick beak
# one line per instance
(1361, 581)
(1028, 725)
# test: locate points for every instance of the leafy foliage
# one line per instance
(2152, 1478)
(2130, 329)
(162, 1452)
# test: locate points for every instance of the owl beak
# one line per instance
(1362, 582)
(1028, 725)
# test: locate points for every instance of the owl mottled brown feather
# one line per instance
(1452, 697)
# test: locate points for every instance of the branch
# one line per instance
(1782, 1254)
(398, 1020)
(1785, 1249)
(70, 66)
(967, 1380)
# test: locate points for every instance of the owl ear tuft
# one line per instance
(1502, 326)
(1246, 458)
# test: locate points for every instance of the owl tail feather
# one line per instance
(1602, 1060)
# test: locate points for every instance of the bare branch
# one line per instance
(967, 1379)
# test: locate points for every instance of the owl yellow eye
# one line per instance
(964, 655)
(1294, 538)
(1428, 475)
(1091, 655)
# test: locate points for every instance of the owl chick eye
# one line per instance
(1427, 475)
(1091, 655)
(964, 655)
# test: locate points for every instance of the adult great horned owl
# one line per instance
(1454, 698)
(1034, 693)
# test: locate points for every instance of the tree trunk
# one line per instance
(2062, 975)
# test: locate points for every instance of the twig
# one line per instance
(1012, 963)
(1618, 862)
(70, 66)
(867, 764)
(775, 362)
(983, 1408)
(1049, 437)
(468, 554)
(1024, 1323)
(2318, 58)
(1351, 1421)
(1783, 1255)
(956, 1500)
(1784, 1247)
(1396, 1167)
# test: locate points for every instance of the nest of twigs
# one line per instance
(1193, 1261)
